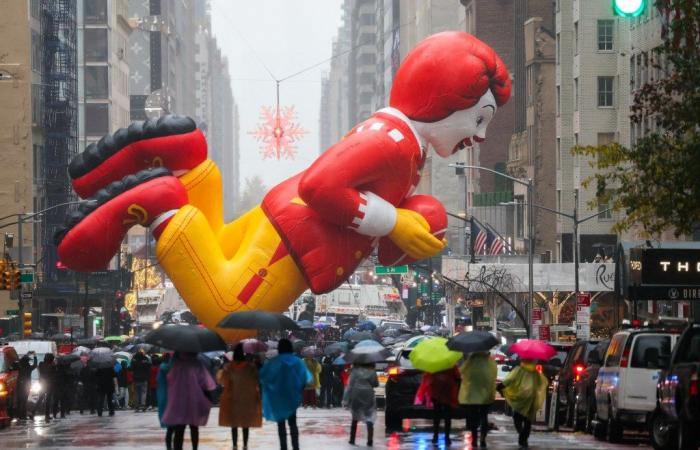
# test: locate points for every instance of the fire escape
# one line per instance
(59, 119)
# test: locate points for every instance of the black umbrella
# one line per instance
(138, 347)
(186, 338)
(472, 341)
(67, 359)
(358, 336)
(258, 320)
(367, 354)
(336, 348)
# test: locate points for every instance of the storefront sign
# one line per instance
(544, 333)
(664, 266)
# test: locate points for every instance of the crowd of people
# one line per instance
(250, 387)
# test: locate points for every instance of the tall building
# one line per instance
(363, 58)
(590, 44)
(532, 147)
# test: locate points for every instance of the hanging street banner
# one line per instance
(593, 277)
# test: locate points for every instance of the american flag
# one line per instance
(480, 237)
(496, 245)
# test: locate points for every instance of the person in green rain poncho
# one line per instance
(525, 390)
(477, 392)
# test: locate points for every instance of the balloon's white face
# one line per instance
(461, 128)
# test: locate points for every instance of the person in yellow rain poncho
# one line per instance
(477, 392)
(525, 390)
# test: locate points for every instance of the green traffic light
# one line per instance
(629, 8)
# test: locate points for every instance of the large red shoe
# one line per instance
(173, 142)
(94, 232)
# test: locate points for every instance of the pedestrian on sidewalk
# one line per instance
(190, 387)
(525, 390)
(440, 390)
(283, 379)
(64, 388)
(123, 385)
(240, 405)
(314, 368)
(141, 368)
(162, 397)
(89, 390)
(24, 383)
(359, 397)
(326, 378)
(106, 379)
(47, 378)
(151, 400)
(477, 392)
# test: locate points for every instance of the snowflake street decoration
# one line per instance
(278, 133)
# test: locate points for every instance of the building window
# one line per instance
(34, 8)
(96, 82)
(96, 119)
(605, 92)
(606, 138)
(558, 101)
(558, 154)
(37, 102)
(519, 217)
(95, 45)
(607, 215)
(558, 44)
(558, 199)
(576, 96)
(605, 35)
(575, 38)
(95, 12)
(36, 52)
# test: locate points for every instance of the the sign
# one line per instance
(583, 331)
(387, 270)
(583, 299)
(483, 323)
(583, 315)
(544, 333)
(27, 295)
(537, 315)
(476, 303)
(664, 293)
(666, 266)
(26, 277)
(12, 312)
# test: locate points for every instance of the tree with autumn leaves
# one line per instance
(656, 181)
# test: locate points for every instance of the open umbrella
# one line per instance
(432, 355)
(533, 349)
(79, 350)
(472, 341)
(358, 336)
(368, 343)
(367, 354)
(366, 325)
(186, 338)
(298, 344)
(60, 337)
(336, 348)
(305, 324)
(67, 359)
(123, 356)
(258, 320)
(391, 332)
(143, 346)
(339, 361)
(114, 339)
(388, 341)
(311, 351)
(254, 346)
(102, 357)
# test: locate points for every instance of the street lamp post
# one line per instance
(576, 222)
(22, 218)
(530, 229)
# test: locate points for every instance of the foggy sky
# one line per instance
(288, 36)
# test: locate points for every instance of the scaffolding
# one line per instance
(59, 118)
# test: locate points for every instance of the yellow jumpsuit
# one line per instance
(220, 268)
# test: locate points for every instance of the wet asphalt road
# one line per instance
(319, 429)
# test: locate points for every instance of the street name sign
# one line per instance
(389, 270)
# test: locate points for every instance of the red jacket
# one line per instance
(332, 215)
(441, 387)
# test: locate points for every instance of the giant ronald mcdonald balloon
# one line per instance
(313, 229)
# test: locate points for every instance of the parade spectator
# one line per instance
(440, 390)
(326, 378)
(162, 397)
(189, 387)
(141, 369)
(106, 382)
(283, 379)
(89, 388)
(47, 378)
(338, 385)
(314, 368)
(24, 383)
(477, 392)
(122, 385)
(525, 390)
(151, 400)
(240, 405)
(64, 388)
(359, 397)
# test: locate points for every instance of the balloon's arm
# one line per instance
(332, 186)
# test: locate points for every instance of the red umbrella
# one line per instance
(533, 349)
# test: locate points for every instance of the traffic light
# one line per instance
(7, 279)
(16, 279)
(3, 266)
(27, 324)
(629, 8)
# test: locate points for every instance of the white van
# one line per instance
(625, 389)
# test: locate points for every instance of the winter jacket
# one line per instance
(240, 405)
(141, 368)
(359, 395)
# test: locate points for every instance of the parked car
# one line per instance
(584, 387)
(380, 391)
(570, 372)
(675, 423)
(625, 390)
(9, 363)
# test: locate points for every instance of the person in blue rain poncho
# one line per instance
(283, 379)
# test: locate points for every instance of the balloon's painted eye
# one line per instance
(479, 121)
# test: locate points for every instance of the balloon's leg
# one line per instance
(260, 275)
